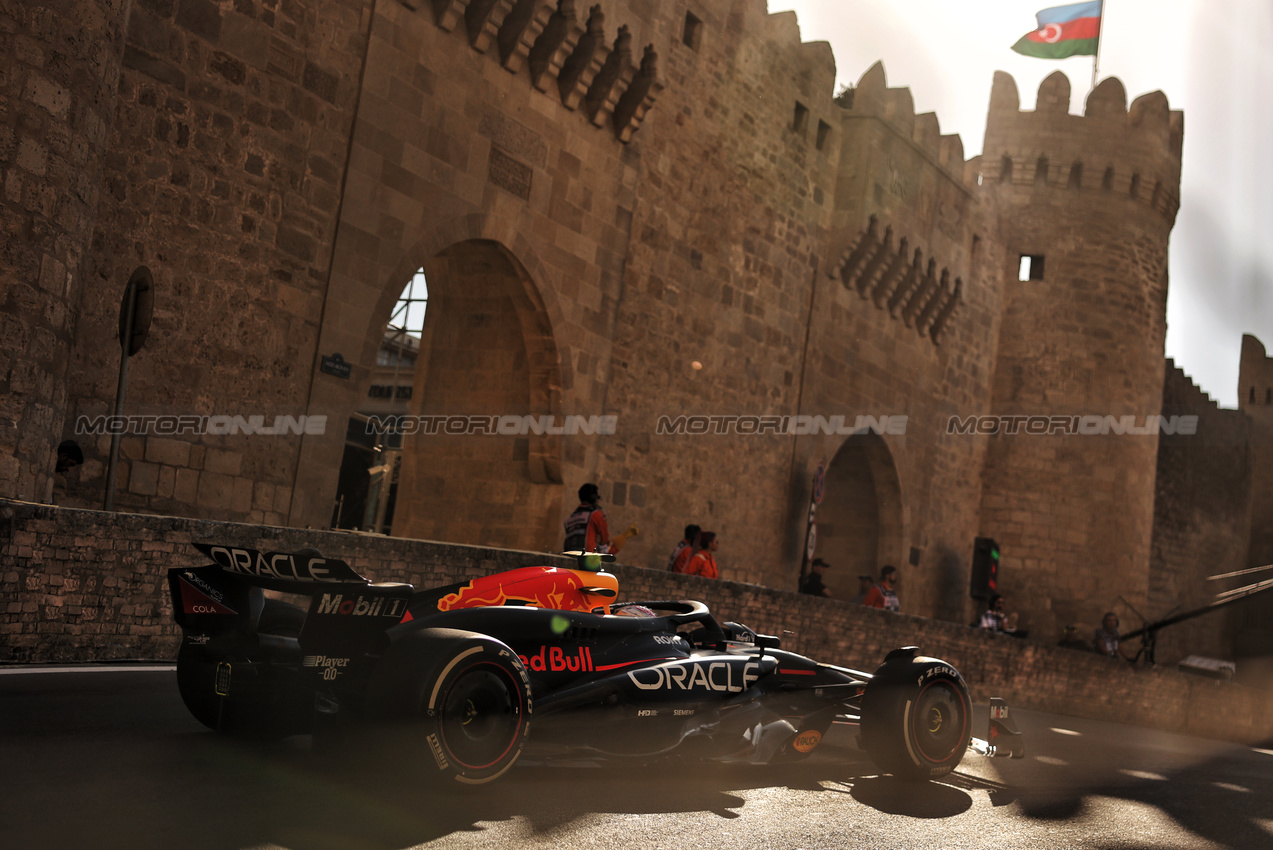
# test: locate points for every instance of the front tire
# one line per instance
(463, 698)
(916, 717)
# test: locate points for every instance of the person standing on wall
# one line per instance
(1105, 639)
(884, 595)
(586, 529)
(684, 550)
(704, 561)
(812, 583)
(865, 583)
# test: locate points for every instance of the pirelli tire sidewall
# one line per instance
(916, 718)
(459, 700)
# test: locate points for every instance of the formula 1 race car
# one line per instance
(457, 671)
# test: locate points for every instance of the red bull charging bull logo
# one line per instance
(541, 587)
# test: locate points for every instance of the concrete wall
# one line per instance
(81, 585)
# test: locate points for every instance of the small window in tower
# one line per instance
(1005, 170)
(800, 120)
(1108, 182)
(1251, 397)
(1041, 171)
(1268, 396)
(1031, 267)
(692, 35)
(1134, 191)
(824, 130)
(1076, 175)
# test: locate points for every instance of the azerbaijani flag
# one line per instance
(1064, 31)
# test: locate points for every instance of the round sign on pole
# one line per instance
(813, 541)
(819, 482)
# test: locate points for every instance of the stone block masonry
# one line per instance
(59, 62)
(79, 585)
(624, 209)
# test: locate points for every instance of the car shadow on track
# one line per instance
(552, 795)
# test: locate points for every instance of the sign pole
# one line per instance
(135, 314)
(126, 335)
(811, 526)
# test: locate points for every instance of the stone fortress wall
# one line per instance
(601, 197)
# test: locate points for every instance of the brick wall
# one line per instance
(88, 585)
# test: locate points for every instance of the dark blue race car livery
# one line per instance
(459, 672)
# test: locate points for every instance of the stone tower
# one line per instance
(1086, 205)
(58, 88)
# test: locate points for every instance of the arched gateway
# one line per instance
(860, 520)
(480, 464)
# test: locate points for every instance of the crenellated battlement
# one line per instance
(872, 97)
(812, 60)
(1185, 392)
(1132, 152)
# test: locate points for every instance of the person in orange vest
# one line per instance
(684, 550)
(704, 561)
(586, 529)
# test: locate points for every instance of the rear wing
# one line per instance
(346, 611)
(290, 572)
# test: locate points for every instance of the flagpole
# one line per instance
(1096, 57)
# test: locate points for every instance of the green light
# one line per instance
(559, 624)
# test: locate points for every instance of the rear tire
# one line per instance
(462, 699)
(916, 718)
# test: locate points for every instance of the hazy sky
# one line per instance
(1211, 58)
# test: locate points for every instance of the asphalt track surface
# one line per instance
(110, 759)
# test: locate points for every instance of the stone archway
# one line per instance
(480, 464)
(860, 520)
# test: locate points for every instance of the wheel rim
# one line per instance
(940, 722)
(481, 717)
